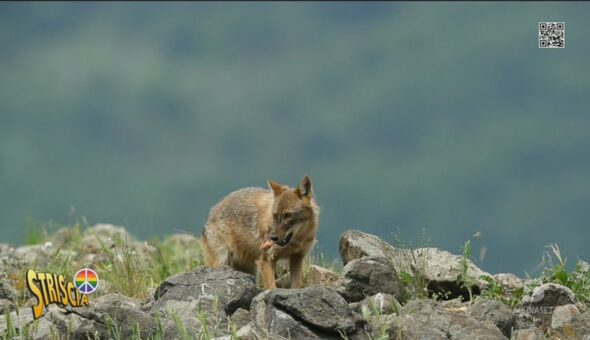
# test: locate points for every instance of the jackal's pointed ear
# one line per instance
(304, 189)
(275, 187)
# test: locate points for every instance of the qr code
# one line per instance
(551, 35)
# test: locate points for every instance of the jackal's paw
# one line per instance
(266, 244)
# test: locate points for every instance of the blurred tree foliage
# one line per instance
(444, 116)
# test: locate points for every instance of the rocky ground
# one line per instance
(158, 290)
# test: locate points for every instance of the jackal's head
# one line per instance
(293, 211)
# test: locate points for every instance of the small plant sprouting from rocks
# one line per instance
(413, 276)
(125, 269)
(205, 331)
(11, 330)
(113, 328)
(179, 326)
(495, 291)
(343, 335)
(464, 278)
(159, 330)
(577, 280)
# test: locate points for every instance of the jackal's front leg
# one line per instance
(296, 268)
(266, 268)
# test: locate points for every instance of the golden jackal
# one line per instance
(252, 228)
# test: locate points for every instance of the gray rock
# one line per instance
(563, 315)
(439, 268)
(6, 305)
(322, 308)
(100, 320)
(577, 328)
(251, 331)
(355, 244)
(182, 240)
(314, 312)
(228, 288)
(6, 249)
(240, 318)
(276, 321)
(322, 276)
(106, 235)
(528, 334)
(368, 276)
(42, 329)
(509, 282)
(104, 312)
(380, 304)
(494, 311)
(179, 318)
(550, 294)
(11, 264)
(456, 303)
(427, 319)
(539, 305)
(65, 237)
(37, 254)
(58, 320)
(19, 319)
(7, 291)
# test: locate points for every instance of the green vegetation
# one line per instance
(413, 276)
(578, 280)
(133, 268)
(466, 280)
(444, 115)
(554, 271)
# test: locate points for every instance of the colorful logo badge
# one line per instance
(86, 280)
(51, 288)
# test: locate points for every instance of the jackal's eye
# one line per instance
(287, 215)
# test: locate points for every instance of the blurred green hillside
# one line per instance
(443, 116)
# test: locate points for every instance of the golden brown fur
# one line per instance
(242, 223)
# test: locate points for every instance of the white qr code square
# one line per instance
(551, 35)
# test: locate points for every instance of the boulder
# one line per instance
(578, 327)
(65, 238)
(6, 248)
(240, 318)
(251, 331)
(37, 254)
(108, 315)
(105, 313)
(6, 305)
(509, 282)
(494, 311)
(182, 317)
(563, 315)
(550, 295)
(322, 276)
(182, 240)
(539, 305)
(309, 313)
(276, 321)
(368, 276)
(528, 334)
(355, 244)
(440, 268)
(379, 304)
(427, 319)
(106, 235)
(225, 287)
(19, 319)
(7, 291)
(42, 329)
